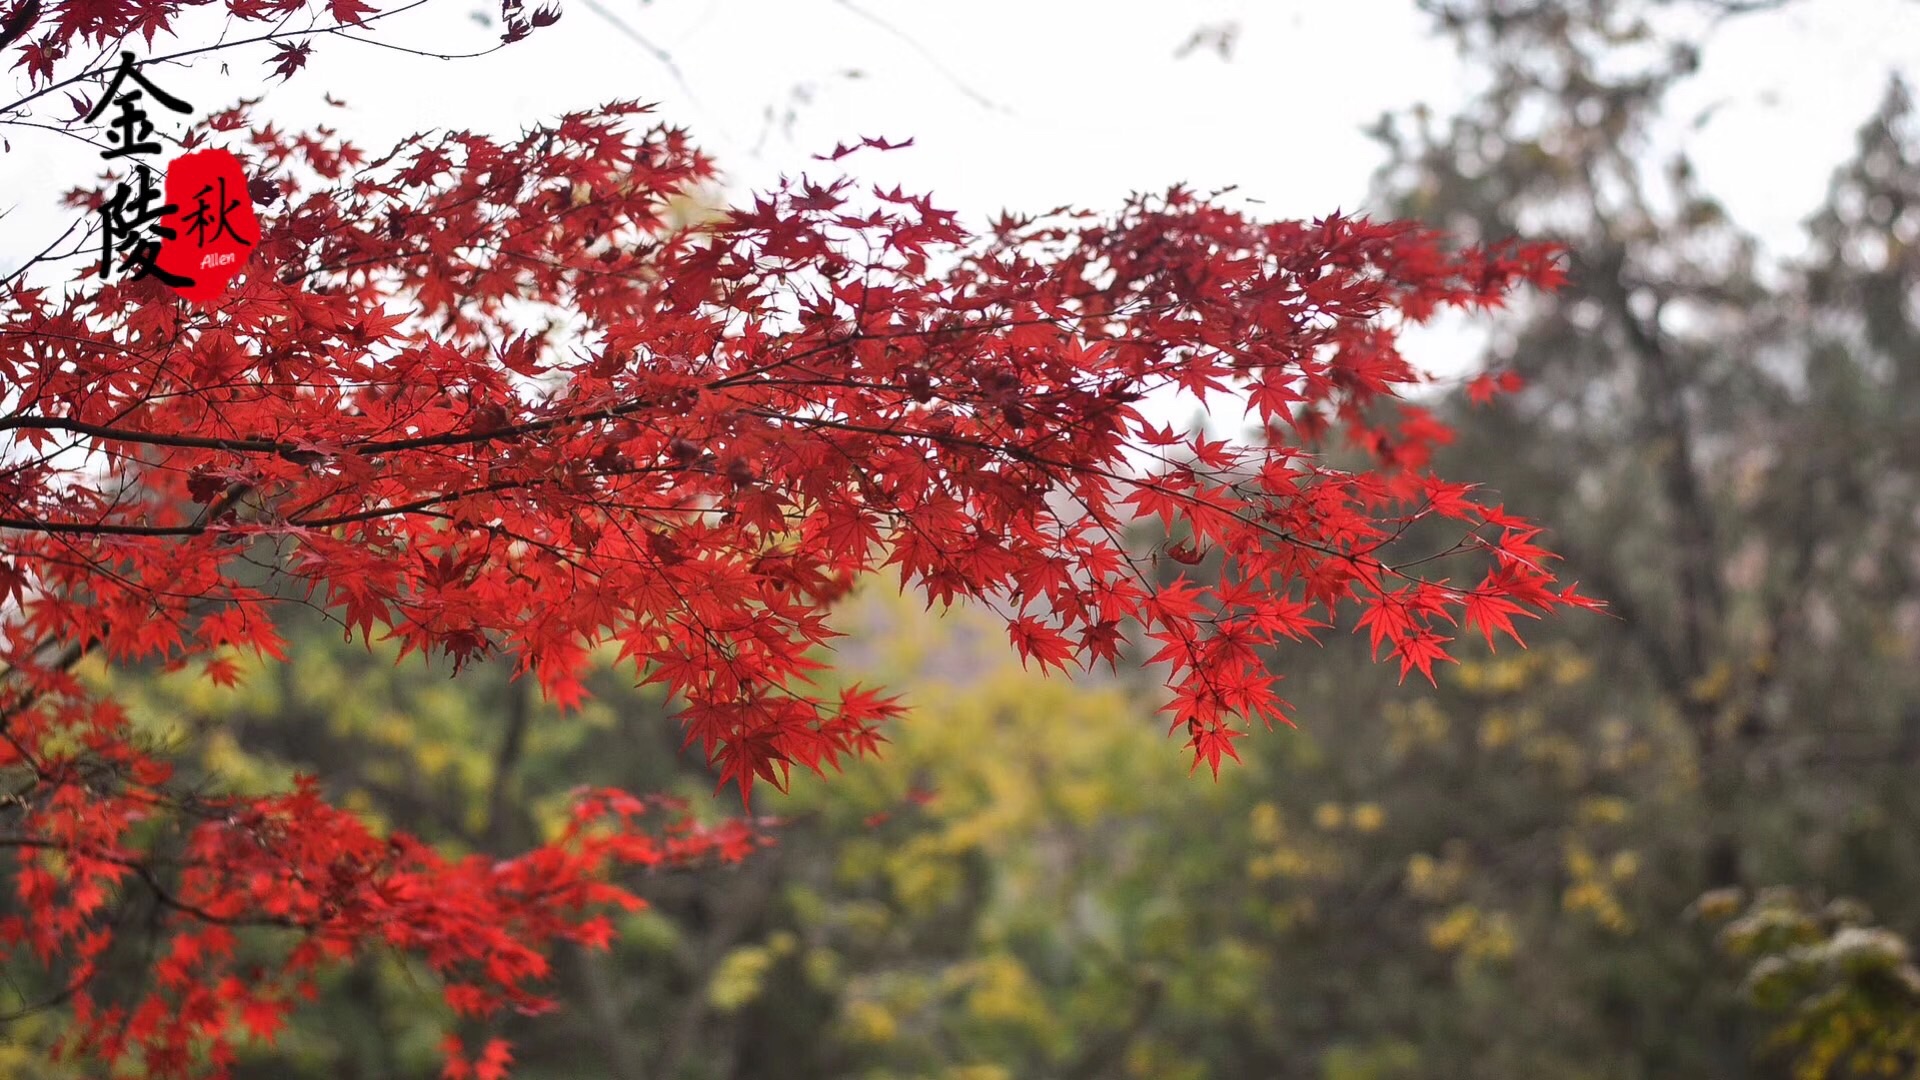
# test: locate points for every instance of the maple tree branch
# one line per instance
(926, 54)
(73, 651)
(44, 255)
(505, 761)
(367, 447)
(152, 881)
(167, 899)
(732, 922)
(1023, 454)
(58, 997)
(659, 54)
(1643, 632)
(610, 1027)
(276, 35)
(1702, 597)
(146, 438)
(84, 528)
(201, 527)
(341, 32)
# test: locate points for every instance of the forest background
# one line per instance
(1673, 843)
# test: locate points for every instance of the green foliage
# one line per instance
(1848, 992)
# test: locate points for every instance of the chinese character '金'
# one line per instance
(131, 129)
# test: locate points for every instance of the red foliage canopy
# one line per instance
(476, 395)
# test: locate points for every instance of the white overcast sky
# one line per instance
(1092, 102)
(1088, 101)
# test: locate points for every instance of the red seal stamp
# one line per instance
(212, 226)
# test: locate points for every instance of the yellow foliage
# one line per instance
(1375, 1061)
(1275, 864)
(1591, 891)
(1411, 726)
(1149, 1059)
(864, 918)
(869, 1022)
(1603, 810)
(739, 978)
(1719, 904)
(1084, 799)
(1498, 676)
(1496, 941)
(1367, 817)
(1579, 862)
(1559, 753)
(923, 874)
(239, 771)
(1003, 992)
(649, 931)
(1290, 915)
(1264, 822)
(1317, 862)
(432, 757)
(976, 1072)
(1474, 934)
(1570, 668)
(1496, 730)
(1232, 975)
(1452, 931)
(23, 1048)
(823, 968)
(1436, 879)
(1713, 686)
(362, 803)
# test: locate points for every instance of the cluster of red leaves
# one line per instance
(48, 31)
(295, 864)
(479, 397)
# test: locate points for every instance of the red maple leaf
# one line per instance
(292, 57)
(1492, 612)
(1418, 649)
(263, 1017)
(493, 1061)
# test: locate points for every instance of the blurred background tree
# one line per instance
(1726, 442)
